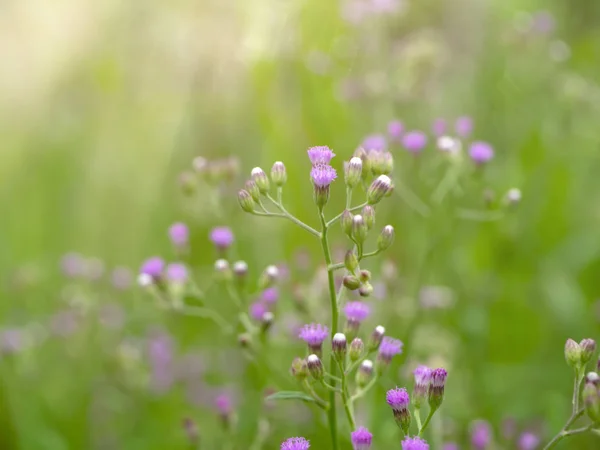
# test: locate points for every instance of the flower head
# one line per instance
(414, 141)
(153, 267)
(72, 264)
(361, 439)
(481, 152)
(389, 348)
(464, 126)
(439, 127)
(321, 155)
(295, 443)
(270, 295)
(258, 311)
(375, 142)
(313, 334)
(224, 404)
(438, 377)
(414, 443)
(395, 129)
(222, 237)
(322, 175)
(356, 311)
(179, 234)
(481, 435)
(177, 272)
(529, 441)
(398, 399)
(422, 380)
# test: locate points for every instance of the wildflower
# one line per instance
(278, 174)
(374, 142)
(439, 127)
(258, 311)
(179, 234)
(268, 277)
(380, 187)
(177, 273)
(513, 196)
(295, 443)
(481, 435)
(224, 406)
(386, 238)
(414, 141)
(322, 176)
(364, 373)
(448, 144)
(464, 126)
(361, 439)
(221, 237)
(353, 172)
(528, 441)
(481, 152)
(376, 338)
(436, 388)
(262, 181)
(339, 346)
(415, 443)
(388, 349)
(153, 267)
(240, 269)
(270, 296)
(321, 155)
(314, 334)
(593, 377)
(422, 380)
(399, 400)
(395, 129)
(315, 366)
(356, 313)
(357, 347)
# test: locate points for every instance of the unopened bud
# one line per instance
(351, 261)
(588, 347)
(379, 189)
(513, 196)
(386, 238)
(244, 340)
(353, 171)
(366, 162)
(365, 290)
(240, 269)
(592, 377)
(144, 280)
(376, 338)
(436, 388)
(591, 399)
(359, 229)
(386, 165)
(191, 432)
(356, 349)
(368, 213)
(364, 373)
(364, 276)
(573, 353)
(267, 321)
(299, 369)
(376, 158)
(339, 346)
(187, 182)
(245, 200)
(346, 222)
(399, 400)
(351, 282)
(253, 190)
(222, 269)
(268, 277)
(278, 174)
(315, 367)
(262, 181)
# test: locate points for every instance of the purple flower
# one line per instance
(323, 175)
(356, 312)
(528, 441)
(258, 310)
(464, 126)
(270, 296)
(438, 377)
(72, 265)
(224, 404)
(314, 334)
(395, 129)
(422, 380)
(321, 155)
(414, 443)
(375, 142)
(439, 127)
(222, 237)
(361, 439)
(295, 443)
(414, 141)
(179, 234)
(153, 266)
(177, 273)
(481, 435)
(398, 399)
(481, 152)
(121, 278)
(389, 348)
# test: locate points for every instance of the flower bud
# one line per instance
(376, 338)
(245, 200)
(399, 400)
(379, 189)
(187, 182)
(278, 174)
(386, 238)
(588, 347)
(386, 165)
(436, 388)
(268, 277)
(366, 162)
(253, 190)
(422, 381)
(240, 270)
(267, 321)
(351, 282)
(339, 346)
(353, 172)
(364, 276)
(376, 158)
(593, 377)
(573, 353)
(513, 197)
(299, 369)
(244, 340)
(222, 269)
(346, 222)
(368, 213)
(591, 399)
(262, 181)
(359, 229)
(351, 261)
(315, 367)
(366, 289)
(356, 349)
(364, 373)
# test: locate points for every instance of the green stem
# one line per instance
(318, 400)
(330, 387)
(417, 415)
(363, 391)
(564, 432)
(427, 420)
(332, 414)
(206, 313)
(411, 199)
(339, 216)
(341, 265)
(446, 184)
(346, 400)
(294, 219)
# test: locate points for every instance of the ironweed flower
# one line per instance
(481, 152)
(389, 348)
(436, 387)
(399, 400)
(153, 267)
(422, 381)
(295, 443)
(450, 446)
(361, 439)
(177, 273)
(121, 278)
(270, 296)
(321, 155)
(414, 443)
(591, 399)
(299, 369)
(160, 354)
(221, 237)
(386, 238)
(464, 126)
(322, 176)
(314, 334)
(414, 141)
(258, 311)
(179, 234)
(356, 313)
(72, 265)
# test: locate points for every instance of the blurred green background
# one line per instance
(104, 104)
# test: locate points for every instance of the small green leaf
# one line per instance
(290, 395)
